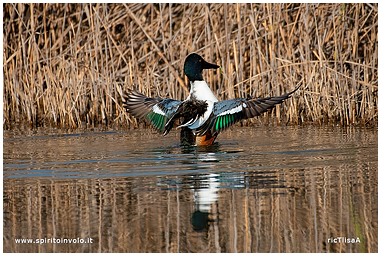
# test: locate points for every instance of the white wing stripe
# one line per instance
(157, 110)
(233, 110)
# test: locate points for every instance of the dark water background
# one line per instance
(260, 189)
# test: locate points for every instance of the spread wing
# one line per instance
(155, 111)
(228, 112)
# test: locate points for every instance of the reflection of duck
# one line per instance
(200, 220)
(203, 116)
(206, 187)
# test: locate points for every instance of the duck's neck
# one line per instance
(201, 91)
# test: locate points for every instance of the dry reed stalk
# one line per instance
(65, 64)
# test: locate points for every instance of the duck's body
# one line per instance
(202, 115)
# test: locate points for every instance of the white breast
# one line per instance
(201, 91)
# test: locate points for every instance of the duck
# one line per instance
(201, 114)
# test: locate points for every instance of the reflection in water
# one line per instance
(207, 185)
(275, 189)
(205, 194)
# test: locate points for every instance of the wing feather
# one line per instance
(156, 111)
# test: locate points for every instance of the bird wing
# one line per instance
(228, 112)
(155, 111)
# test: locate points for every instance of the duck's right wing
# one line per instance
(155, 111)
(228, 112)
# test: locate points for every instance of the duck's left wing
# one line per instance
(156, 111)
(228, 112)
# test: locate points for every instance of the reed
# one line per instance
(67, 64)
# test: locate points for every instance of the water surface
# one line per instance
(259, 189)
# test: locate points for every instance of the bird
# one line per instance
(201, 114)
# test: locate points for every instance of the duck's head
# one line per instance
(193, 66)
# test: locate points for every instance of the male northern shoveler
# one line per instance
(203, 116)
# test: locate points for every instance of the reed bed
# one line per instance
(67, 65)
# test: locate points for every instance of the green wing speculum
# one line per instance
(224, 121)
(225, 113)
(156, 120)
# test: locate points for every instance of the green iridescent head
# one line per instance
(193, 66)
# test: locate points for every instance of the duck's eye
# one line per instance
(199, 60)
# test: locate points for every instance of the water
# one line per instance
(260, 189)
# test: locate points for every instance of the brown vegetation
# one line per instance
(67, 64)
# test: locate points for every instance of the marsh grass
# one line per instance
(67, 65)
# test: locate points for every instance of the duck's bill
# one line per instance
(210, 66)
